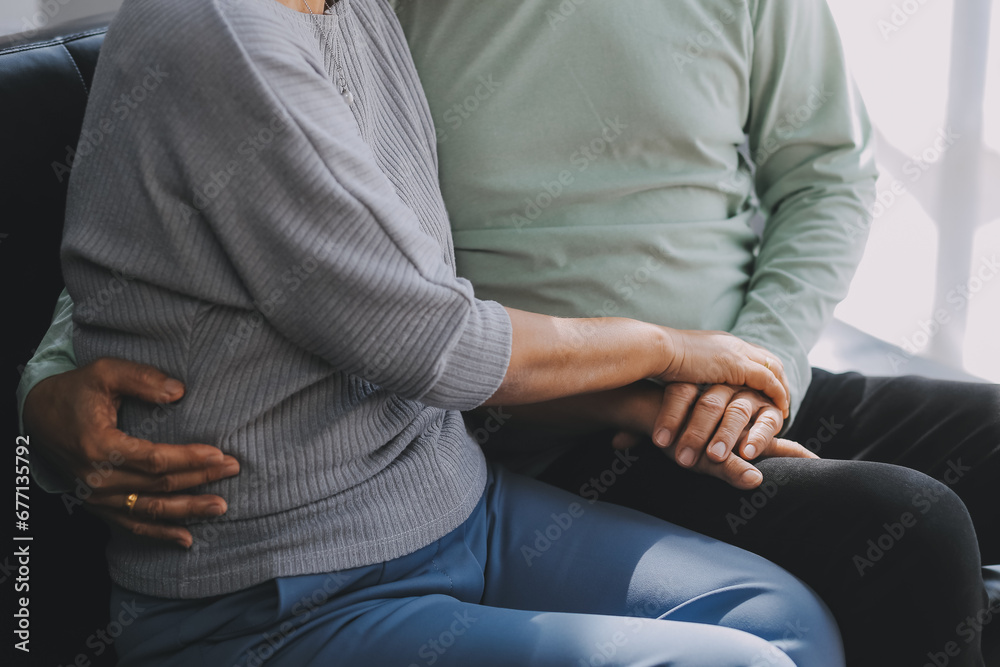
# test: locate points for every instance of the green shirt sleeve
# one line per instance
(811, 142)
(54, 355)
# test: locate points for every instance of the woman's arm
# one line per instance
(555, 357)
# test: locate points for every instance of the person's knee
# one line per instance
(909, 517)
(937, 521)
(870, 499)
(921, 508)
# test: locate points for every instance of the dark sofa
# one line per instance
(44, 81)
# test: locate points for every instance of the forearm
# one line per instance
(553, 358)
(54, 354)
(528, 430)
(629, 408)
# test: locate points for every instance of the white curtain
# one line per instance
(929, 71)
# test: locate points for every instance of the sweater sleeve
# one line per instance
(316, 235)
(53, 356)
(811, 142)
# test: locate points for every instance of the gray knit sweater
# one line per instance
(233, 221)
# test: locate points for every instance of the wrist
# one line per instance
(670, 353)
(35, 410)
(638, 410)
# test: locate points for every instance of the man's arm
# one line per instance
(811, 141)
(54, 355)
(634, 411)
(71, 415)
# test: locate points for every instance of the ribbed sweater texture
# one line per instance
(233, 221)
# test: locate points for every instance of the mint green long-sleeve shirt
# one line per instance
(590, 162)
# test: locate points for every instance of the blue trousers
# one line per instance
(535, 576)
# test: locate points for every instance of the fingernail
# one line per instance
(215, 510)
(749, 451)
(752, 477)
(718, 450)
(173, 386)
(686, 457)
(231, 468)
(662, 437)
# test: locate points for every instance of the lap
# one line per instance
(921, 423)
(947, 430)
(535, 577)
(818, 519)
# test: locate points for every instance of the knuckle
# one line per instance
(768, 421)
(166, 484)
(101, 366)
(139, 529)
(91, 447)
(742, 408)
(686, 390)
(156, 461)
(713, 401)
(693, 438)
(727, 435)
(145, 376)
(681, 391)
(670, 417)
(156, 508)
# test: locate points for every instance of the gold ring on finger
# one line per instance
(130, 501)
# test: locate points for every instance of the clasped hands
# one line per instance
(714, 430)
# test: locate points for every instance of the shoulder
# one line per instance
(200, 41)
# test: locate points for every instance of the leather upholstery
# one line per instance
(44, 82)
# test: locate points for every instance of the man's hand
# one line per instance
(736, 416)
(73, 419)
(710, 423)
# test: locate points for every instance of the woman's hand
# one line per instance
(716, 357)
(73, 420)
